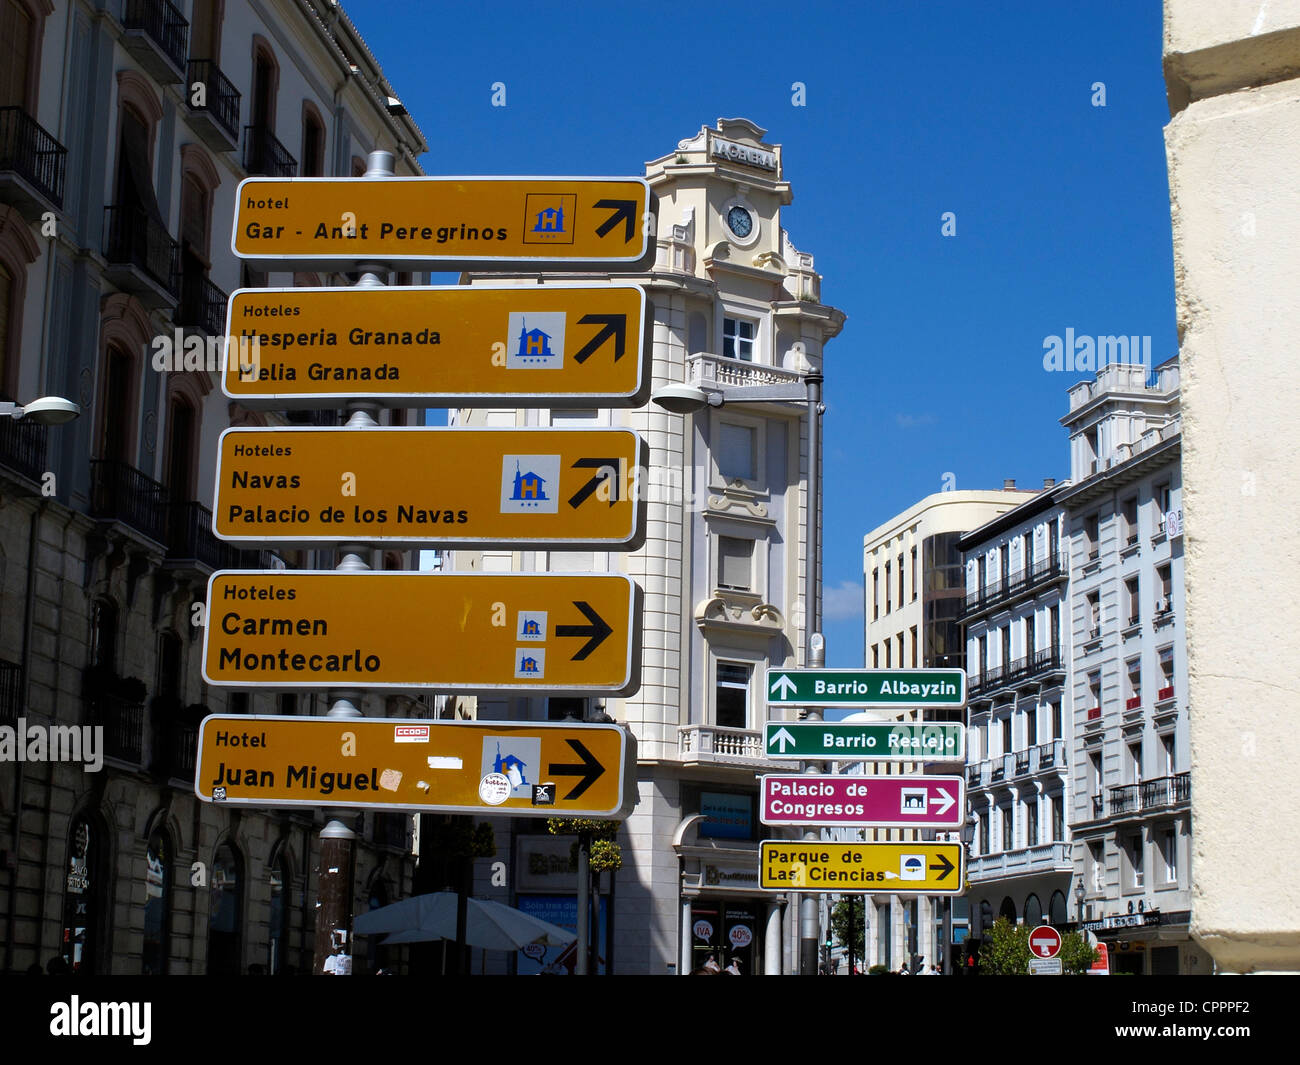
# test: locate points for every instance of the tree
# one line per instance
(840, 921)
(1005, 950)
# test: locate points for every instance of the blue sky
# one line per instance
(912, 110)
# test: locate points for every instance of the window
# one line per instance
(875, 593)
(984, 654)
(313, 142)
(1094, 693)
(1165, 589)
(1136, 872)
(1094, 615)
(1134, 671)
(735, 563)
(888, 653)
(1006, 734)
(566, 708)
(1004, 559)
(1008, 829)
(738, 339)
(84, 897)
(914, 574)
(733, 695)
(1163, 497)
(1092, 536)
(1031, 822)
(916, 661)
(1097, 864)
(737, 452)
(288, 704)
(888, 601)
(1169, 854)
(157, 889)
(875, 657)
(1056, 722)
(1134, 763)
(1166, 674)
(103, 635)
(1129, 520)
(1004, 638)
(225, 913)
(278, 924)
(1094, 773)
(982, 570)
(984, 836)
(1058, 818)
(1031, 728)
(1054, 626)
(1031, 640)
(1168, 763)
(900, 580)
(1133, 587)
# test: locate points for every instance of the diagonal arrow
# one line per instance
(946, 865)
(588, 769)
(783, 687)
(624, 210)
(947, 803)
(596, 631)
(600, 466)
(615, 325)
(783, 736)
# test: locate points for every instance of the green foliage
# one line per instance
(459, 837)
(1005, 950)
(605, 855)
(575, 826)
(878, 970)
(857, 905)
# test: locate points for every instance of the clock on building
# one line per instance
(740, 222)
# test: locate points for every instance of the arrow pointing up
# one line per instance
(782, 736)
(947, 804)
(624, 211)
(783, 687)
(946, 866)
(615, 325)
(596, 631)
(588, 769)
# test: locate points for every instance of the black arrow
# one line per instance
(596, 631)
(947, 866)
(589, 769)
(623, 209)
(615, 326)
(610, 465)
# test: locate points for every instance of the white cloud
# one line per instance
(843, 602)
(913, 421)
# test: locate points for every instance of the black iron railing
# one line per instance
(22, 446)
(163, 23)
(220, 98)
(1046, 660)
(190, 536)
(123, 724)
(1150, 794)
(133, 238)
(202, 305)
(121, 492)
(11, 691)
(265, 155)
(31, 153)
(1021, 580)
(181, 750)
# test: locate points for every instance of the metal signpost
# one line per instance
(576, 634)
(863, 802)
(554, 345)
(524, 770)
(866, 741)
(880, 688)
(562, 488)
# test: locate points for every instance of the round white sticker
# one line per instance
(494, 789)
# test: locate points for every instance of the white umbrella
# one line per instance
(488, 924)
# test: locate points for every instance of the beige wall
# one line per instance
(1232, 69)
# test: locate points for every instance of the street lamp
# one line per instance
(690, 399)
(1079, 893)
(48, 410)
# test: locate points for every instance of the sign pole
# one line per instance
(338, 841)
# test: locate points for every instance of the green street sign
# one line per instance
(879, 688)
(879, 741)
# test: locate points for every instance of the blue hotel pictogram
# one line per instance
(550, 220)
(534, 346)
(528, 664)
(529, 488)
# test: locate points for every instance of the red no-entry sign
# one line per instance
(1045, 941)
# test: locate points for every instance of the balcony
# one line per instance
(157, 35)
(123, 724)
(120, 492)
(32, 164)
(714, 371)
(1025, 861)
(11, 692)
(1151, 794)
(1000, 591)
(713, 744)
(190, 540)
(180, 751)
(266, 156)
(202, 306)
(1031, 668)
(142, 257)
(22, 447)
(216, 118)
(1004, 767)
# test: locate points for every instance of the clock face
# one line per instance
(740, 222)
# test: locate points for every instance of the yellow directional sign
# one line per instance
(888, 868)
(444, 222)
(564, 488)
(542, 346)
(577, 633)
(528, 770)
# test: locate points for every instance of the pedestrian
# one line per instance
(734, 967)
(711, 963)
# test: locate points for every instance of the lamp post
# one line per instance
(967, 837)
(1079, 892)
(48, 410)
(690, 399)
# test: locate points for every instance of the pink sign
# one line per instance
(879, 802)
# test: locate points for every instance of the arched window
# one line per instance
(313, 141)
(22, 28)
(18, 250)
(225, 917)
(83, 899)
(1033, 911)
(103, 635)
(281, 907)
(1058, 915)
(182, 449)
(1008, 910)
(157, 904)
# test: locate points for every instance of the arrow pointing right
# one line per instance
(947, 804)
(615, 325)
(782, 736)
(783, 687)
(945, 865)
(589, 769)
(596, 631)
